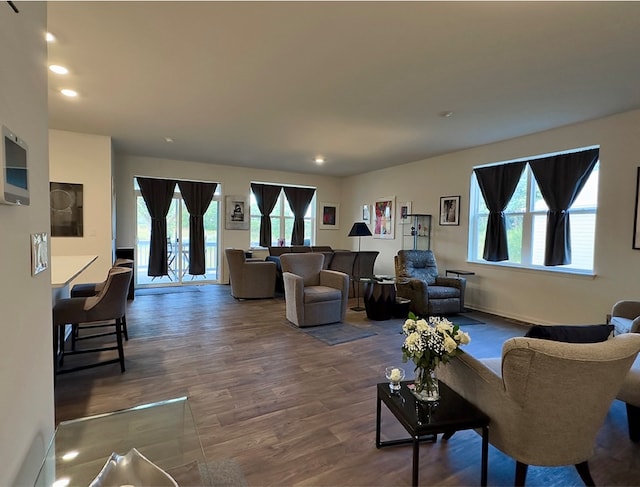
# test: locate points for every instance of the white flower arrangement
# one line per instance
(432, 341)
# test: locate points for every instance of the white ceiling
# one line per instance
(272, 84)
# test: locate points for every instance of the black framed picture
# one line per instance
(450, 210)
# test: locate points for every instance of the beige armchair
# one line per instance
(250, 279)
(625, 317)
(417, 279)
(313, 296)
(546, 399)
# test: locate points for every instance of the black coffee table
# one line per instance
(424, 421)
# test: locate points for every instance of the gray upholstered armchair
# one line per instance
(417, 279)
(625, 316)
(313, 296)
(546, 399)
(250, 279)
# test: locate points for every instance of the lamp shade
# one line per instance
(360, 229)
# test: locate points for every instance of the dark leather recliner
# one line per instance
(417, 279)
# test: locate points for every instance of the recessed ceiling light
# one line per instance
(69, 93)
(169, 140)
(319, 160)
(50, 37)
(446, 114)
(56, 68)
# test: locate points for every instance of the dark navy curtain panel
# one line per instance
(560, 179)
(157, 195)
(266, 197)
(497, 184)
(197, 197)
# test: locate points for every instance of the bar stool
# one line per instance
(87, 290)
(105, 309)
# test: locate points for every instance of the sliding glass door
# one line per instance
(177, 243)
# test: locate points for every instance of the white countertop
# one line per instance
(65, 268)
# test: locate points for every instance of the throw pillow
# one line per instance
(571, 333)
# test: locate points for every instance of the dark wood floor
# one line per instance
(291, 410)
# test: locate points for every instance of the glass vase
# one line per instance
(426, 385)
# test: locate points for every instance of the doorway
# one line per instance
(177, 243)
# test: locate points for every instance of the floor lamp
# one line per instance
(359, 229)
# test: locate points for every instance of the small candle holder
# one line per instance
(394, 375)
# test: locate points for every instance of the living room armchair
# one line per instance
(417, 279)
(546, 399)
(313, 295)
(250, 279)
(625, 317)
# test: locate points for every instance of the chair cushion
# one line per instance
(443, 292)
(319, 294)
(571, 333)
(621, 325)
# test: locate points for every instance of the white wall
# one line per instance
(233, 180)
(535, 296)
(86, 159)
(26, 361)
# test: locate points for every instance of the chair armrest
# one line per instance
(457, 282)
(635, 326)
(294, 294)
(413, 289)
(335, 279)
(259, 269)
(626, 309)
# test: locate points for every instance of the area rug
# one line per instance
(336, 333)
(461, 320)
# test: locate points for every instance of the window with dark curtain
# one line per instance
(197, 196)
(266, 197)
(157, 195)
(560, 179)
(497, 184)
(299, 200)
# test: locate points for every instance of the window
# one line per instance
(282, 222)
(526, 223)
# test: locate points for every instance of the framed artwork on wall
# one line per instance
(66, 209)
(450, 210)
(404, 209)
(330, 216)
(236, 213)
(366, 215)
(384, 223)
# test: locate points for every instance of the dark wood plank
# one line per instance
(292, 410)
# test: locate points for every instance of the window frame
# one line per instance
(476, 201)
(282, 212)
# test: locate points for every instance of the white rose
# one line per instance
(422, 325)
(449, 344)
(463, 337)
(395, 375)
(444, 327)
(408, 326)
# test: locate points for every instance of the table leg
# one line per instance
(416, 460)
(378, 412)
(485, 454)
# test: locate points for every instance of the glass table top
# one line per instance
(164, 432)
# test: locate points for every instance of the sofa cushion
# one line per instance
(571, 333)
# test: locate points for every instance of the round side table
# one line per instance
(379, 299)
